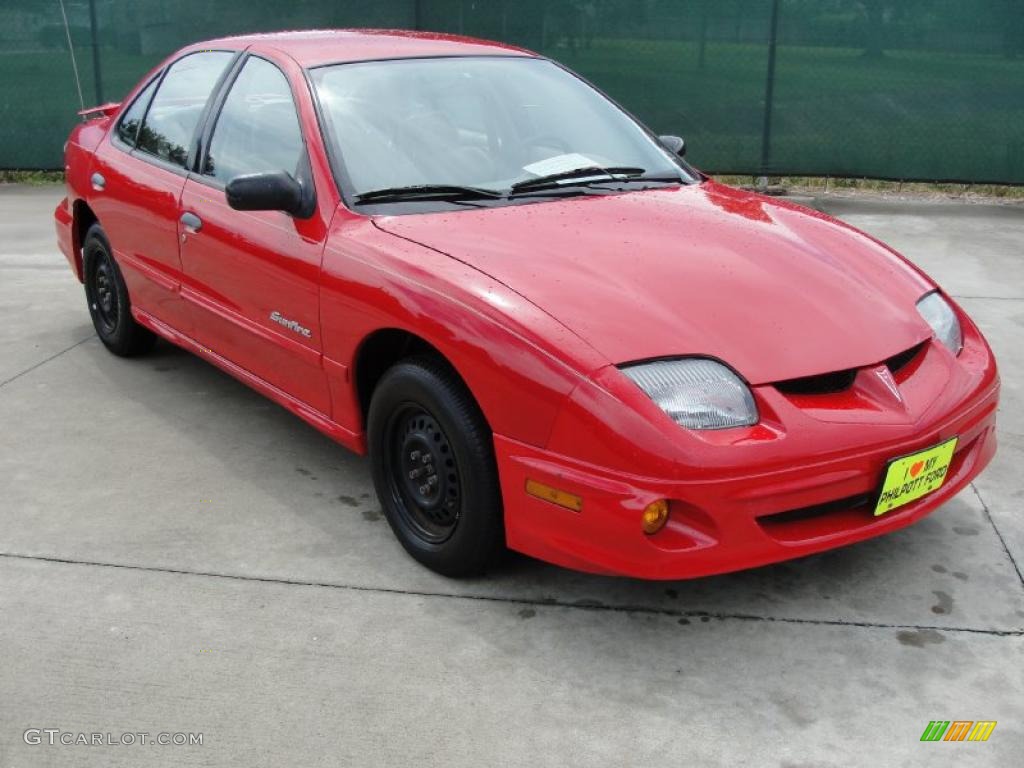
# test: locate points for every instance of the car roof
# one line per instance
(316, 47)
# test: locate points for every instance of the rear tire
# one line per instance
(107, 298)
(434, 469)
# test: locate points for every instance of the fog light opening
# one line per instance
(654, 517)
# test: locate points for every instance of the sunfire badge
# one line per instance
(291, 325)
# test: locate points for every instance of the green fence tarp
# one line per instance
(898, 89)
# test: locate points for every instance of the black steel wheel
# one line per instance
(107, 297)
(104, 304)
(433, 467)
(423, 474)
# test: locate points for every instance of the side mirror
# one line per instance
(673, 144)
(272, 191)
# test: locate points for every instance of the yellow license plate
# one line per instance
(911, 477)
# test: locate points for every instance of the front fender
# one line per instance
(519, 363)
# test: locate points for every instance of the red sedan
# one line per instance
(546, 328)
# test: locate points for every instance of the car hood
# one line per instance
(774, 290)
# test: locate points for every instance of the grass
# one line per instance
(815, 185)
(33, 178)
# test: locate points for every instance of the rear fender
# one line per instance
(79, 162)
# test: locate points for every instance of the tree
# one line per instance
(1008, 15)
(875, 12)
(880, 16)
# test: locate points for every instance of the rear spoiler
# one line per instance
(103, 110)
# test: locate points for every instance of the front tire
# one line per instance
(107, 298)
(433, 468)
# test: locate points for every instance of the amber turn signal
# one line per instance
(554, 495)
(655, 516)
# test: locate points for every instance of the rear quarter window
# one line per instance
(131, 120)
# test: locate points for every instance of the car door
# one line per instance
(138, 176)
(252, 277)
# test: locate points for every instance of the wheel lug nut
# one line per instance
(424, 489)
(414, 455)
(428, 459)
(415, 473)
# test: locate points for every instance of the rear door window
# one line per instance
(174, 113)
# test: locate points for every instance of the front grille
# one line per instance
(822, 384)
(861, 500)
(897, 363)
(826, 519)
(839, 381)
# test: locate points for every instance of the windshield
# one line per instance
(477, 123)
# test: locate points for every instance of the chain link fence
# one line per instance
(926, 90)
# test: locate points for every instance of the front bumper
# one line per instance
(725, 525)
(730, 518)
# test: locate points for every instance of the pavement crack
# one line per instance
(999, 534)
(41, 363)
(24, 265)
(989, 298)
(525, 601)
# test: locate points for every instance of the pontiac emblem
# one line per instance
(890, 383)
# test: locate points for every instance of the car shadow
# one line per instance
(318, 516)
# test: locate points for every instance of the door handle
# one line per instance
(98, 182)
(192, 222)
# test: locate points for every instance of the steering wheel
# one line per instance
(546, 140)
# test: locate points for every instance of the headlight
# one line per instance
(940, 316)
(696, 393)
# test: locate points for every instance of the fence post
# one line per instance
(94, 34)
(769, 91)
(703, 45)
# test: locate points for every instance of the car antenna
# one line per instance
(74, 62)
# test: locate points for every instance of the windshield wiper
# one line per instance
(595, 172)
(659, 179)
(425, 192)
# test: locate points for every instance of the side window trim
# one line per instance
(210, 121)
(208, 118)
(338, 171)
(214, 93)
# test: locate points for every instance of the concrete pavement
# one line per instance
(178, 554)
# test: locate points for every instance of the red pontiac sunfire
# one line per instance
(546, 328)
